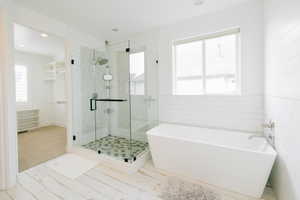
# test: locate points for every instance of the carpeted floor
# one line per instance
(40, 145)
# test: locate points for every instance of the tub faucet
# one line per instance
(270, 125)
(257, 136)
(269, 137)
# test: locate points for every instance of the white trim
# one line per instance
(8, 127)
(207, 36)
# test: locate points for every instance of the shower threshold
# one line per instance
(118, 147)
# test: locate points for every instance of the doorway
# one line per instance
(40, 79)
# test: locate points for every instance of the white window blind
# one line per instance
(21, 84)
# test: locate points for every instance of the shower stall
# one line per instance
(114, 101)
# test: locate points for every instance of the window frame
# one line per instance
(203, 38)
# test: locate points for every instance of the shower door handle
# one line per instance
(93, 108)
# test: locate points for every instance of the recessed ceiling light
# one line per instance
(115, 30)
(44, 35)
(198, 2)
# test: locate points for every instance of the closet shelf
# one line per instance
(53, 70)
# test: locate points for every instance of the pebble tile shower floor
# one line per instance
(117, 147)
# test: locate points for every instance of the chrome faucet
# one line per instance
(257, 136)
(269, 125)
(269, 137)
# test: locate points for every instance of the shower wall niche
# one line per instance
(114, 101)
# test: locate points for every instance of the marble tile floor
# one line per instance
(104, 183)
(118, 147)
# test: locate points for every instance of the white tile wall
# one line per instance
(282, 20)
(236, 113)
(231, 112)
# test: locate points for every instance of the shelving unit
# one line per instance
(53, 69)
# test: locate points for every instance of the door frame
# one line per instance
(8, 139)
(9, 15)
(10, 142)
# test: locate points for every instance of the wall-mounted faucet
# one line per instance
(256, 136)
(269, 125)
(269, 136)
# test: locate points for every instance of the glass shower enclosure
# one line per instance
(114, 101)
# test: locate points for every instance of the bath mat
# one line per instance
(71, 165)
(176, 189)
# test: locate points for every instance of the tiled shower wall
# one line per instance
(282, 20)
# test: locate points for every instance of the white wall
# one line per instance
(282, 33)
(40, 92)
(243, 112)
(59, 100)
(8, 144)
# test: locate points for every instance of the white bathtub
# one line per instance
(222, 158)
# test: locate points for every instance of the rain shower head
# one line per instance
(101, 61)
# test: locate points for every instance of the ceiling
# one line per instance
(31, 41)
(99, 17)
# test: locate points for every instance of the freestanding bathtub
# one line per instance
(226, 159)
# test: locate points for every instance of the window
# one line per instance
(207, 65)
(21, 84)
(137, 73)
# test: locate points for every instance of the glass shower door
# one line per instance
(143, 81)
(110, 105)
(115, 101)
(83, 88)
